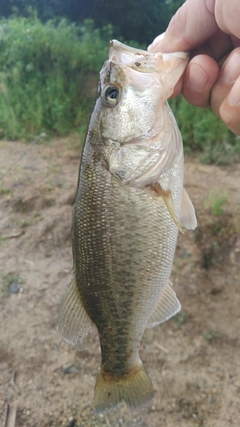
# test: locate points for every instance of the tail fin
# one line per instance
(134, 388)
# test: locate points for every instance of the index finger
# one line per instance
(191, 26)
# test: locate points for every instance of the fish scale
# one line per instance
(129, 206)
(119, 261)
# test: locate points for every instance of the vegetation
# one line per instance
(216, 202)
(139, 20)
(210, 334)
(217, 232)
(46, 71)
(205, 133)
(9, 283)
(181, 319)
(49, 74)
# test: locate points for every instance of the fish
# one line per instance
(129, 207)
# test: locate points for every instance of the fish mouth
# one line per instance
(144, 61)
(143, 69)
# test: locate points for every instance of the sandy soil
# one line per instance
(193, 359)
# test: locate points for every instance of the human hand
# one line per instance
(210, 30)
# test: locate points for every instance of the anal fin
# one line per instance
(75, 325)
(166, 307)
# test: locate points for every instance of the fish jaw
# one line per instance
(170, 66)
(144, 82)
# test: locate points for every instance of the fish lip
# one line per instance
(117, 46)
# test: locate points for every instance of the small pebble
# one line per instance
(14, 288)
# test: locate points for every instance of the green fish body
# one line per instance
(130, 204)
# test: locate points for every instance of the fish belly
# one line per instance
(124, 243)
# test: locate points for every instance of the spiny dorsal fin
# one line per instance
(187, 216)
(75, 325)
(166, 307)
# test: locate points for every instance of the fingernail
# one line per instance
(234, 94)
(231, 70)
(197, 78)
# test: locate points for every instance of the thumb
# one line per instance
(193, 24)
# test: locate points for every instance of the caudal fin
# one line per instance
(134, 388)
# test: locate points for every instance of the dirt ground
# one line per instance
(193, 359)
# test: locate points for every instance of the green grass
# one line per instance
(48, 75)
(48, 82)
(204, 133)
(181, 319)
(210, 334)
(216, 203)
(5, 283)
(5, 190)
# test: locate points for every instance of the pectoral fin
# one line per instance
(167, 197)
(187, 216)
(75, 325)
(166, 307)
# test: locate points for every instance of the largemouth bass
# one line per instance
(130, 204)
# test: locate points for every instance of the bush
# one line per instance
(48, 80)
(204, 132)
(48, 76)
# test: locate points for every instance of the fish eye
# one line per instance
(112, 93)
(111, 96)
